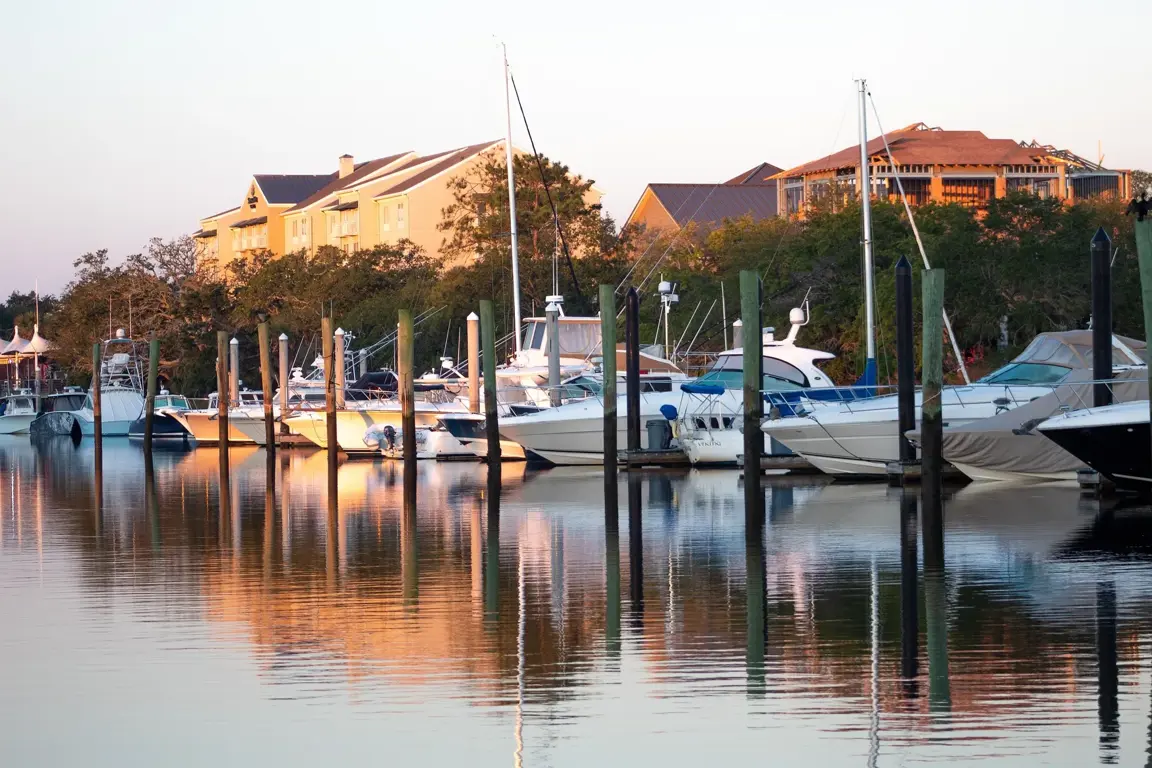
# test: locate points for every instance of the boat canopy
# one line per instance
(1073, 349)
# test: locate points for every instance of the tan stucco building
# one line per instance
(361, 205)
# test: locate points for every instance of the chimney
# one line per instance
(347, 165)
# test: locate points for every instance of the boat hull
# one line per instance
(990, 475)
(204, 426)
(1117, 450)
(470, 430)
(352, 426)
(166, 429)
(16, 424)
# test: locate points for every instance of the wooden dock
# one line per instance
(670, 458)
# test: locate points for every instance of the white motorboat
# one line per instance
(203, 423)
(574, 433)
(17, 411)
(709, 422)
(860, 437)
(121, 389)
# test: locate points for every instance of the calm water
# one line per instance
(147, 623)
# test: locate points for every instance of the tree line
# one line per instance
(1022, 263)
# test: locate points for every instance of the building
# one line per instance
(935, 165)
(361, 205)
(671, 207)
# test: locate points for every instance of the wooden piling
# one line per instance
(905, 360)
(222, 391)
(931, 423)
(1101, 317)
(632, 368)
(636, 550)
(406, 343)
(150, 403)
(750, 292)
(1144, 255)
(266, 384)
(338, 366)
(473, 362)
(234, 372)
(608, 394)
(488, 338)
(97, 419)
(329, 394)
(283, 361)
(552, 320)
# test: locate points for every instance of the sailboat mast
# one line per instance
(865, 191)
(512, 201)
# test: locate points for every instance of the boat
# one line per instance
(860, 437)
(121, 389)
(202, 423)
(55, 416)
(434, 443)
(166, 428)
(573, 433)
(1007, 447)
(17, 411)
(709, 421)
(1113, 440)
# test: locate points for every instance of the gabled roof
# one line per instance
(218, 215)
(451, 160)
(918, 145)
(756, 175)
(289, 189)
(707, 203)
(249, 222)
(361, 171)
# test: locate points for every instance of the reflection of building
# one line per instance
(935, 165)
(671, 207)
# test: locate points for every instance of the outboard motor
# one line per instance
(390, 437)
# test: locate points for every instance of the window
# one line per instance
(401, 217)
(235, 240)
(728, 371)
(333, 226)
(295, 230)
(385, 225)
(793, 198)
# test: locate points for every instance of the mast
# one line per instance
(512, 201)
(865, 191)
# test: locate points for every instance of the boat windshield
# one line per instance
(577, 339)
(1040, 374)
(581, 387)
(779, 376)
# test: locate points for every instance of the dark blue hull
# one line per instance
(165, 430)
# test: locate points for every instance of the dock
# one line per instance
(668, 458)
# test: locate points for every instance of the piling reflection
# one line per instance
(357, 595)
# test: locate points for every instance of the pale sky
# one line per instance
(123, 120)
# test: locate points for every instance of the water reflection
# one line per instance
(269, 596)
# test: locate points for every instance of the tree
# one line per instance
(477, 230)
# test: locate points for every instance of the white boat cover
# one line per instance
(1009, 443)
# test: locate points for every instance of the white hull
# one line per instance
(118, 409)
(715, 447)
(352, 426)
(204, 426)
(431, 444)
(16, 424)
(986, 474)
(107, 428)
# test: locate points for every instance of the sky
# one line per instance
(125, 120)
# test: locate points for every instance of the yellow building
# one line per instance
(362, 205)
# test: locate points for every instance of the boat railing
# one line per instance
(1080, 395)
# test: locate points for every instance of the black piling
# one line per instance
(1108, 671)
(608, 367)
(750, 300)
(1101, 317)
(97, 418)
(632, 368)
(491, 417)
(905, 360)
(150, 403)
